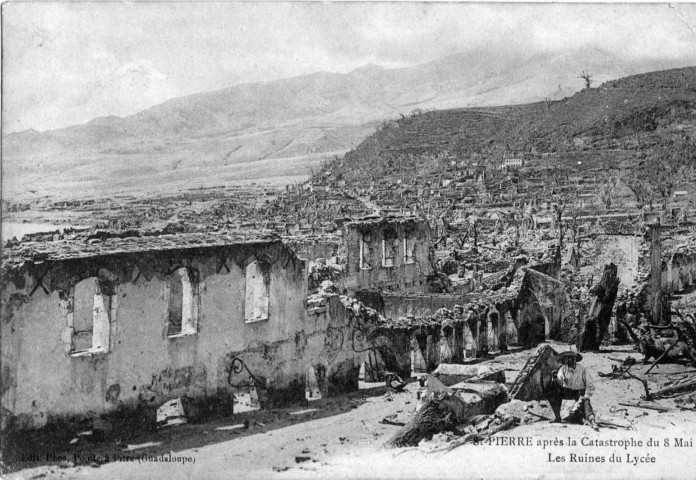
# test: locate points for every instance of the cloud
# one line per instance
(98, 85)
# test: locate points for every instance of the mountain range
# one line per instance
(277, 131)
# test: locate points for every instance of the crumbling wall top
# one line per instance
(624, 227)
(13, 258)
(383, 220)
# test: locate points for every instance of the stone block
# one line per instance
(449, 373)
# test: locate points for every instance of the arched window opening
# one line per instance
(389, 251)
(92, 299)
(372, 369)
(409, 249)
(183, 303)
(258, 290)
(419, 353)
(366, 253)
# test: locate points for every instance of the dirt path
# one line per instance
(344, 437)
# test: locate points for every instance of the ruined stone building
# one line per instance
(390, 254)
(89, 328)
(95, 326)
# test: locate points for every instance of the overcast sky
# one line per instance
(66, 63)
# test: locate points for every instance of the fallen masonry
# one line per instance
(443, 408)
(474, 409)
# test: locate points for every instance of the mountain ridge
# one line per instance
(315, 115)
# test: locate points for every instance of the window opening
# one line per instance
(258, 289)
(409, 250)
(90, 321)
(183, 303)
(366, 254)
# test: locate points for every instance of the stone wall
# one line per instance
(545, 308)
(621, 250)
(418, 305)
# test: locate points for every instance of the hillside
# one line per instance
(631, 114)
(275, 130)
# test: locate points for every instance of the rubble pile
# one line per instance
(453, 409)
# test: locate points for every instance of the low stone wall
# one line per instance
(403, 305)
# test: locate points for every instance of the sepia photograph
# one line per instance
(347, 239)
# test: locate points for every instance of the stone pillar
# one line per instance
(659, 309)
(493, 320)
(446, 336)
(458, 353)
(469, 342)
(511, 337)
(482, 335)
(418, 364)
(432, 352)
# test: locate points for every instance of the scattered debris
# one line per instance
(607, 423)
(623, 372)
(613, 409)
(687, 385)
(394, 381)
(484, 429)
(664, 342)
(81, 434)
(302, 412)
(389, 420)
(540, 416)
(233, 427)
(171, 413)
(522, 411)
(139, 446)
(643, 405)
(686, 403)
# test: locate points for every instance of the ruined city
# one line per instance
(447, 294)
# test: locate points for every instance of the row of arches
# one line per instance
(455, 342)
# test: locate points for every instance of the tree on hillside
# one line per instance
(558, 209)
(587, 76)
(642, 189)
(607, 190)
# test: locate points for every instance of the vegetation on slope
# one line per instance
(649, 117)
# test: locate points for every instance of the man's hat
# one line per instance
(569, 354)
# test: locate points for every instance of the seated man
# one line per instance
(572, 382)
